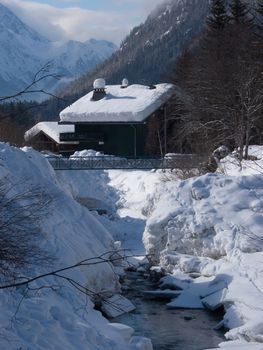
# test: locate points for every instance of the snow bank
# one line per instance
(62, 317)
(239, 345)
(207, 216)
(127, 196)
(211, 226)
(230, 165)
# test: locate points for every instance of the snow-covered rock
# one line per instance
(239, 345)
(116, 306)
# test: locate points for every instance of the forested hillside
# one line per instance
(145, 56)
(211, 51)
(220, 81)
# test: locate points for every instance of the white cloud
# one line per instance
(144, 7)
(78, 23)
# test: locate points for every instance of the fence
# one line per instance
(107, 162)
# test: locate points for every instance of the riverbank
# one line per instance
(199, 227)
(188, 329)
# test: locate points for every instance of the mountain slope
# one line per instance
(23, 52)
(146, 54)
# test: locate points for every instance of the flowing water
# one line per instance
(178, 329)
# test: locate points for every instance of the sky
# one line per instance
(82, 19)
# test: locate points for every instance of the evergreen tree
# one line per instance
(240, 12)
(259, 14)
(218, 16)
(259, 8)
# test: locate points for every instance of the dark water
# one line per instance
(180, 329)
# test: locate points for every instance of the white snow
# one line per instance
(116, 306)
(212, 226)
(125, 82)
(99, 83)
(26, 52)
(205, 232)
(239, 345)
(132, 104)
(232, 166)
(60, 318)
(51, 129)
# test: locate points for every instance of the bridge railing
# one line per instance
(103, 162)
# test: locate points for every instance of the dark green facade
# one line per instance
(111, 138)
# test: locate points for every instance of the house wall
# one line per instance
(42, 142)
(118, 138)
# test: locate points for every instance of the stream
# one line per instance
(177, 329)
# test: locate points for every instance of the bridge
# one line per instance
(181, 161)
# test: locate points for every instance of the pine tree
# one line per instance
(259, 8)
(218, 16)
(240, 12)
(259, 14)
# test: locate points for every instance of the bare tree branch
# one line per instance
(41, 75)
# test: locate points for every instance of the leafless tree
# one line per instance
(221, 76)
(40, 76)
(20, 232)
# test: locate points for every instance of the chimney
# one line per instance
(99, 86)
(124, 83)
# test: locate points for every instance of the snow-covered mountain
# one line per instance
(148, 53)
(23, 52)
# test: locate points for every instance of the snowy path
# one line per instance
(125, 196)
(135, 190)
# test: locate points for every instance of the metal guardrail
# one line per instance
(106, 163)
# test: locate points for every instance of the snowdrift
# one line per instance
(208, 216)
(211, 226)
(59, 317)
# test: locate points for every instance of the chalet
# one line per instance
(46, 136)
(114, 119)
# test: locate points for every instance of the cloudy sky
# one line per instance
(82, 19)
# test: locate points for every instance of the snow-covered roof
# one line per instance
(51, 129)
(132, 104)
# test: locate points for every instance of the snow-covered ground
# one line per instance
(127, 196)
(61, 317)
(231, 166)
(211, 226)
(206, 232)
